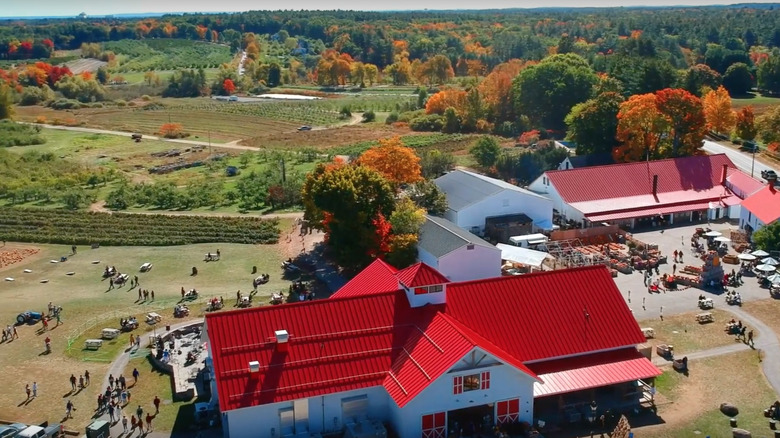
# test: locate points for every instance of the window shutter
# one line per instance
(457, 385)
(485, 380)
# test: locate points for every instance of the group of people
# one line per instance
(739, 329)
(10, 333)
(733, 279)
(144, 294)
(83, 381)
(678, 256)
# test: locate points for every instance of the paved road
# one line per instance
(231, 145)
(742, 160)
(767, 343)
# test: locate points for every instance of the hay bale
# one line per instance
(729, 409)
(740, 433)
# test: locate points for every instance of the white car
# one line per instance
(146, 267)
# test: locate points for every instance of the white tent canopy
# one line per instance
(524, 256)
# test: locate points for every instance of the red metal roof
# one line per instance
(742, 184)
(546, 315)
(374, 339)
(764, 204)
(376, 277)
(592, 371)
(420, 274)
(667, 209)
(697, 173)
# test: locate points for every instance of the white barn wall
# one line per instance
(534, 207)
(746, 217)
(257, 421)
(505, 383)
(471, 264)
(429, 259)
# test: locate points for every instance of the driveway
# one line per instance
(648, 306)
(742, 160)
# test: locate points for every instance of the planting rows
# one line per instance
(82, 228)
(167, 54)
(288, 111)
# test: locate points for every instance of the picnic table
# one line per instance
(211, 257)
(705, 317)
(93, 344)
(146, 267)
(649, 332)
(706, 303)
(153, 318)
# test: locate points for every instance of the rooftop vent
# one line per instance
(254, 366)
(282, 336)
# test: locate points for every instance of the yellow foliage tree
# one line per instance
(717, 110)
(396, 162)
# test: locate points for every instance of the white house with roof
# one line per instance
(458, 254)
(472, 198)
(423, 355)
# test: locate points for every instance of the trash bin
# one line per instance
(733, 422)
(167, 328)
(773, 424)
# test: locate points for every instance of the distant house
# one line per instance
(472, 198)
(458, 254)
(645, 193)
(579, 161)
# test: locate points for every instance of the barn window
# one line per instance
(421, 290)
(471, 382)
(469, 247)
(485, 383)
(457, 385)
(435, 288)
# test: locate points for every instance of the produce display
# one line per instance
(9, 257)
(118, 229)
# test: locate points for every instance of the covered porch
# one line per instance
(592, 391)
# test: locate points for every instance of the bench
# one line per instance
(703, 318)
(648, 332)
(93, 344)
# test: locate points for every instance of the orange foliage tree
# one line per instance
(496, 90)
(228, 86)
(746, 124)
(640, 127)
(449, 97)
(171, 130)
(396, 162)
(669, 123)
(717, 111)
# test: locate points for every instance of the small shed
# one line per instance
(501, 228)
(99, 429)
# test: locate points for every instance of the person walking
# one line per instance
(156, 405)
(139, 294)
(110, 380)
(16, 334)
(69, 407)
(122, 382)
(124, 423)
(132, 423)
(99, 403)
(750, 338)
(135, 375)
(35, 389)
(45, 323)
(149, 422)
(674, 268)
(110, 283)
(111, 412)
(152, 295)
(27, 390)
(86, 376)
(629, 296)
(140, 413)
(72, 382)
(58, 314)
(662, 313)
(675, 255)
(81, 382)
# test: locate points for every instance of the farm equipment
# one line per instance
(180, 311)
(28, 317)
(129, 324)
(665, 351)
(191, 295)
(214, 304)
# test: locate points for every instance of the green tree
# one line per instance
(102, 75)
(593, 124)
(738, 80)
(768, 237)
(700, 76)
(769, 75)
(6, 102)
(74, 198)
(546, 92)
(348, 203)
(426, 195)
(407, 218)
(769, 125)
(83, 90)
(120, 198)
(274, 75)
(434, 163)
(486, 151)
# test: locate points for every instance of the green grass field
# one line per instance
(89, 306)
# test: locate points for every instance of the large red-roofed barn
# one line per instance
(413, 351)
(631, 194)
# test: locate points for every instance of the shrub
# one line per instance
(368, 116)
(64, 104)
(391, 118)
(172, 130)
(146, 98)
(432, 122)
(345, 112)
(36, 96)
(40, 119)
(120, 102)
(12, 134)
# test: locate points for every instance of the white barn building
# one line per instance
(423, 356)
(472, 198)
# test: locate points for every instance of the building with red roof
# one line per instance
(423, 354)
(761, 208)
(633, 194)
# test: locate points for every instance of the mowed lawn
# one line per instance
(686, 335)
(689, 405)
(85, 297)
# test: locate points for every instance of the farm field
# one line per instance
(84, 296)
(166, 54)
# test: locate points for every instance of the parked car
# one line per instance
(11, 430)
(233, 98)
(305, 128)
(749, 146)
(51, 431)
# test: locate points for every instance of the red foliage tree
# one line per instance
(48, 43)
(228, 86)
(382, 237)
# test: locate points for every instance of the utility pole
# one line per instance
(284, 172)
(753, 164)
